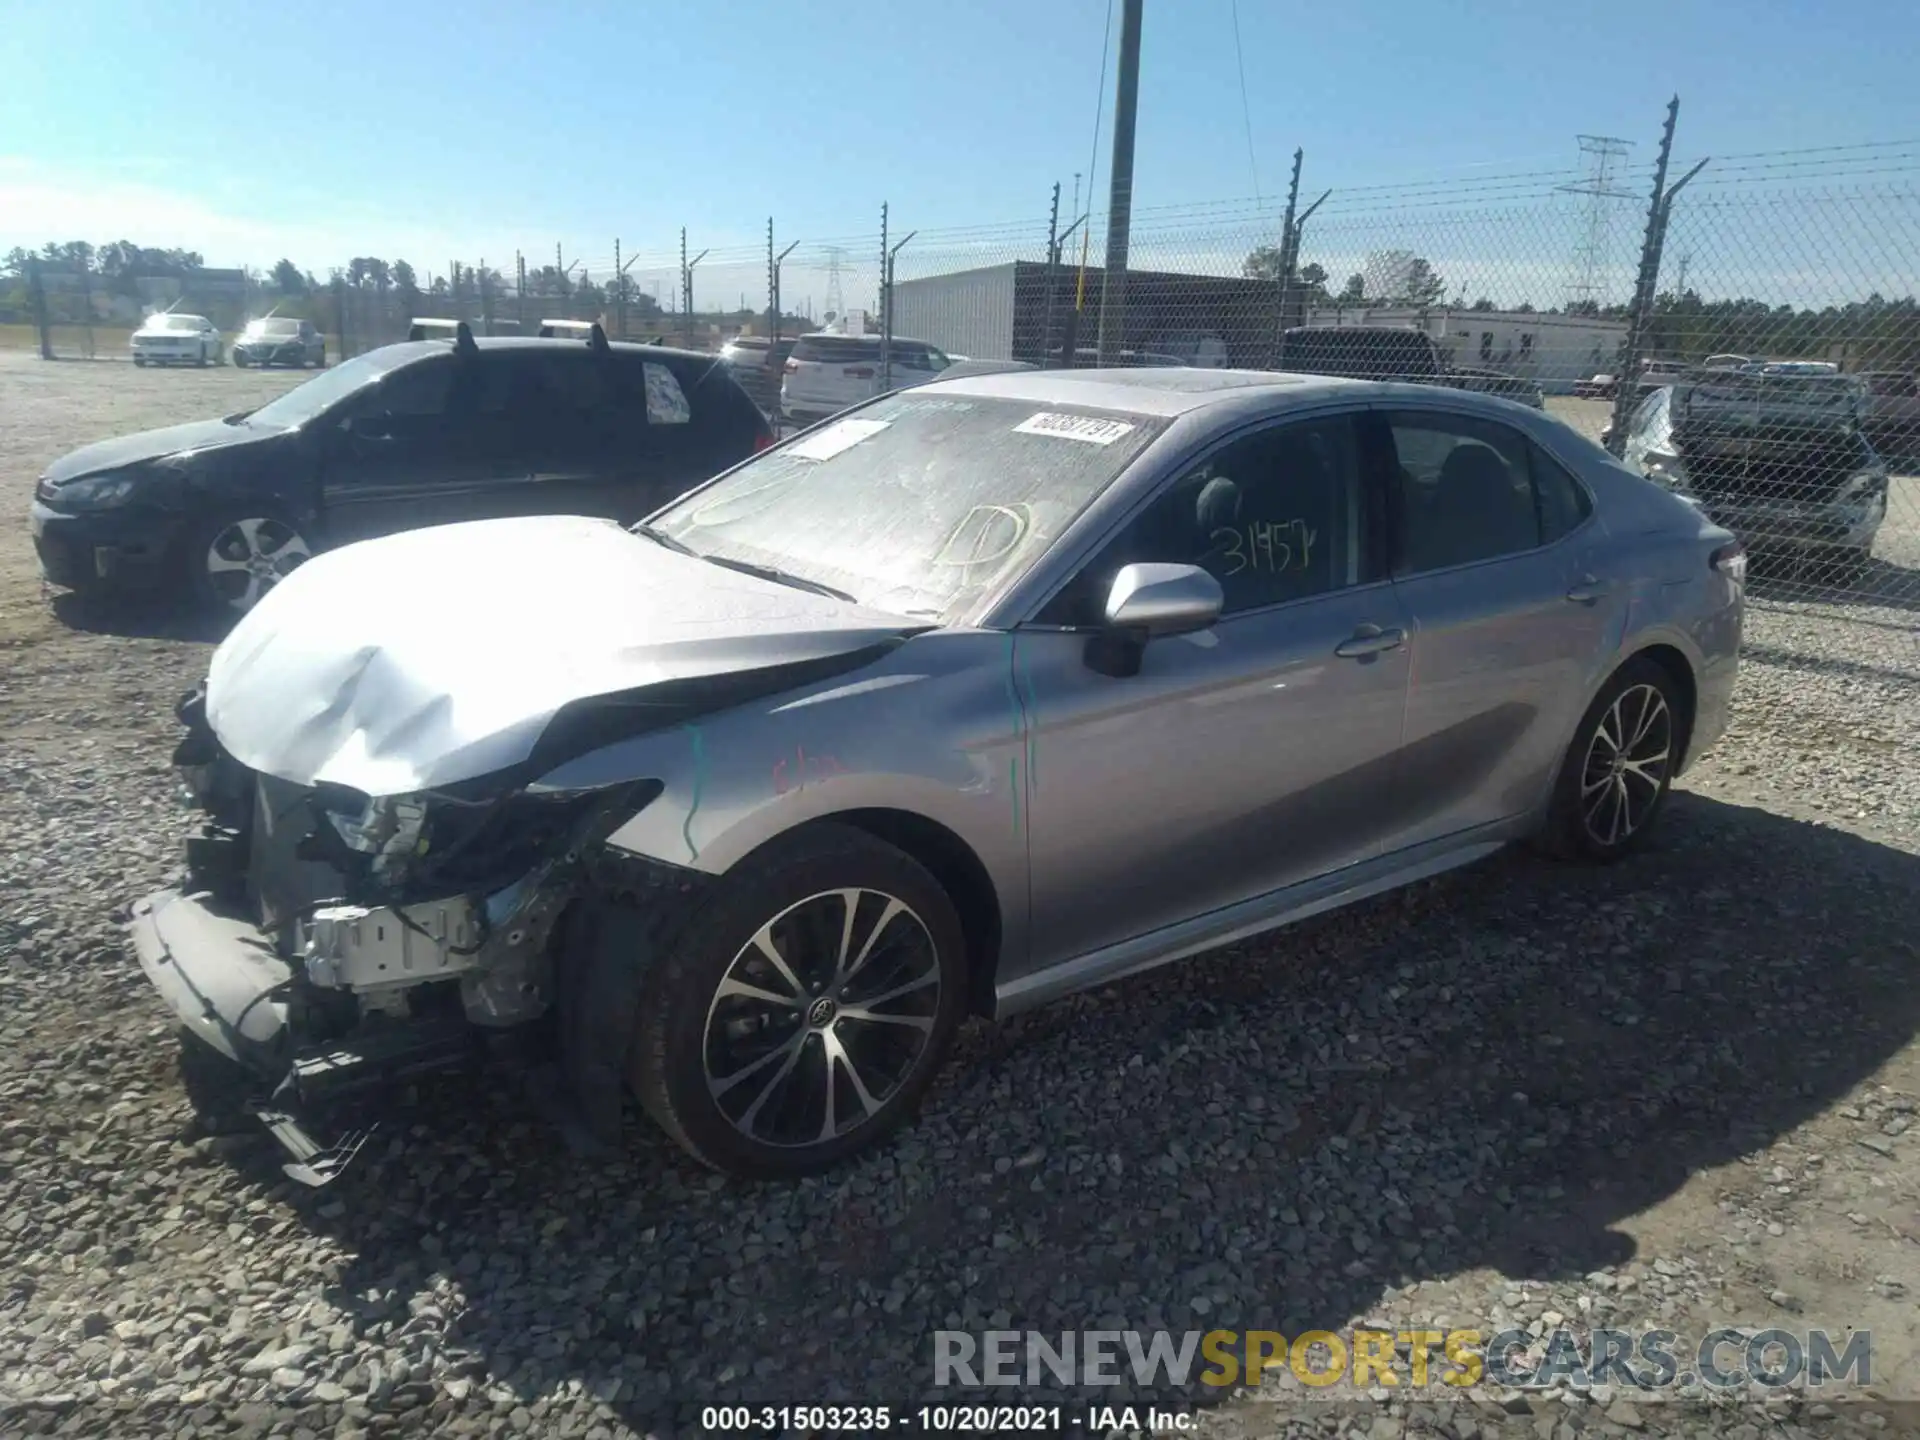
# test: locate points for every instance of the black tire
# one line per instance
(240, 361)
(140, 361)
(273, 538)
(202, 362)
(1586, 794)
(689, 1052)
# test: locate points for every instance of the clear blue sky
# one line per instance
(438, 130)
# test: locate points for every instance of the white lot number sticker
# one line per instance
(843, 435)
(1073, 427)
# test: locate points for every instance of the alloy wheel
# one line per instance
(1627, 765)
(249, 557)
(821, 1018)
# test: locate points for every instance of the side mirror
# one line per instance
(1151, 602)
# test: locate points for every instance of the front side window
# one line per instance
(1465, 490)
(407, 401)
(1274, 516)
(918, 504)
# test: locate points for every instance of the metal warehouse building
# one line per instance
(1001, 312)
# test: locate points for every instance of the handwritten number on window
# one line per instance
(1264, 548)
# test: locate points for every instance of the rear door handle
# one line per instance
(1586, 590)
(1370, 640)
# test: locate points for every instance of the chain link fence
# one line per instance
(1747, 333)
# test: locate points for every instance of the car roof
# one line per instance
(1149, 390)
(407, 350)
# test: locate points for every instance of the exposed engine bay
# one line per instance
(384, 937)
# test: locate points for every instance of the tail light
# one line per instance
(763, 441)
(793, 367)
(858, 372)
(1731, 561)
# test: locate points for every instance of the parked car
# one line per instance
(419, 433)
(280, 340)
(978, 696)
(1892, 417)
(1780, 460)
(1594, 387)
(1497, 382)
(825, 373)
(758, 362)
(1394, 352)
(1726, 362)
(174, 339)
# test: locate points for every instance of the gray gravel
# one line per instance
(1677, 1092)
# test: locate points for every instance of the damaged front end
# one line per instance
(334, 944)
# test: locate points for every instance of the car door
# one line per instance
(674, 429)
(552, 414)
(1238, 760)
(1497, 565)
(406, 453)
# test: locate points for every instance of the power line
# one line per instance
(1246, 111)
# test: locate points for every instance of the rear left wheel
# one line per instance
(1614, 780)
(801, 1013)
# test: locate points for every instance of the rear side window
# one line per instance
(1464, 491)
(666, 401)
(836, 349)
(1561, 500)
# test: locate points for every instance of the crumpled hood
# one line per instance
(439, 655)
(148, 445)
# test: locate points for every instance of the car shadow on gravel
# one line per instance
(1492, 1070)
(1880, 583)
(137, 616)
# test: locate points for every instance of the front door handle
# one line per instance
(1370, 640)
(1586, 590)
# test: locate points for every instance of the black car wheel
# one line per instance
(241, 555)
(803, 1010)
(240, 359)
(1614, 780)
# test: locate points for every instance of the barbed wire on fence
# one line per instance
(1809, 257)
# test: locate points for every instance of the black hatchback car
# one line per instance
(421, 433)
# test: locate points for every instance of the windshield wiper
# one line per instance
(745, 567)
(660, 537)
(780, 577)
(239, 417)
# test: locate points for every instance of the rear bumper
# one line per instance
(218, 975)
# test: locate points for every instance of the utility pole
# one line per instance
(520, 286)
(686, 287)
(1126, 104)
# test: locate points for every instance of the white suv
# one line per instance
(174, 339)
(827, 373)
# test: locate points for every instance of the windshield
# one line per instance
(174, 322)
(325, 390)
(918, 504)
(274, 327)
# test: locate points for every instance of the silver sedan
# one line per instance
(965, 700)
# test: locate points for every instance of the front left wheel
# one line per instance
(238, 557)
(801, 1012)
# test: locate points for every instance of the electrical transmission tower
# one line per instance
(836, 307)
(1602, 156)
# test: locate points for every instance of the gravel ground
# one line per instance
(1676, 1092)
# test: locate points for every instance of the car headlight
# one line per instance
(97, 492)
